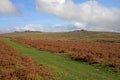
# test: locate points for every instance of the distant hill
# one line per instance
(74, 35)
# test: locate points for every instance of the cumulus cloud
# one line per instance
(95, 15)
(1, 31)
(5, 30)
(7, 7)
(30, 27)
(53, 28)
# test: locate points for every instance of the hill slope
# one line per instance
(76, 35)
(65, 68)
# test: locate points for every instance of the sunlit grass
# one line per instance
(64, 68)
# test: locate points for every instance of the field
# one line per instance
(78, 55)
(76, 35)
(92, 52)
(15, 66)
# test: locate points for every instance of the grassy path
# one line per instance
(63, 67)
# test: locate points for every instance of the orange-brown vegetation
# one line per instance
(92, 52)
(15, 66)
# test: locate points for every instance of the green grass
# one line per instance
(63, 67)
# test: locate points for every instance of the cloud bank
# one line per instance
(53, 28)
(95, 15)
(6, 30)
(7, 7)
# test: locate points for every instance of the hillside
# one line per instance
(79, 55)
(65, 68)
(76, 35)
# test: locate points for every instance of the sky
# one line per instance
(59, 15)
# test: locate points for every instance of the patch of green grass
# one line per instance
(63, 67)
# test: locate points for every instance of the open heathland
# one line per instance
(77, 55)
(92, 52)
(110, 37)
(65, 68)
(16, 66)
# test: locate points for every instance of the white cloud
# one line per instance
(31, 27)
(1, 31)
(95, 15)
(53, 28)
(80, 25)
(7, 7)
(5, 30)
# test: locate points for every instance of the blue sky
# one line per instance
(29, 15)
(107, 3)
